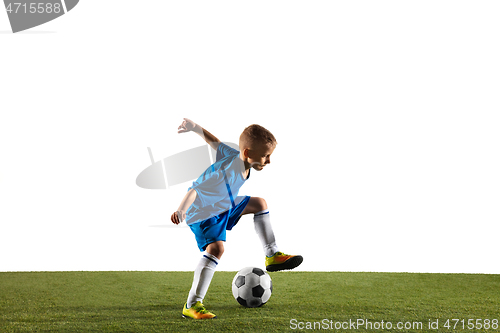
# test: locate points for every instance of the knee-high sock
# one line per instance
(202, 277)
(262, 224)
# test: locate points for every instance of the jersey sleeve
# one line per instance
(224, 150)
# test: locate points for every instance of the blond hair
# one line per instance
(254, 135)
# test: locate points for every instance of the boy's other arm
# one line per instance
(180, 215)
(207, 136)
(189, 125)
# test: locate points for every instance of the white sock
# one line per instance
(262, 223)
(202, 277)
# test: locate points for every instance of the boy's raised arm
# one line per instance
(189, 125)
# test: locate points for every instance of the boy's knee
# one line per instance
(260, 204)
(216, 249)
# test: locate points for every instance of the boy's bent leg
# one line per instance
(254, 205)
(275, 260)
(262, 224)
(263, 228)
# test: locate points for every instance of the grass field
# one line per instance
(152, 302)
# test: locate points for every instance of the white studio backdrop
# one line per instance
(386, 115)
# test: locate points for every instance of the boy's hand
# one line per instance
(186, 126)
(178, 217)
(189, 125)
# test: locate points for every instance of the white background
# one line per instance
(386, 115)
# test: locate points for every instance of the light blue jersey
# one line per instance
(217, 187)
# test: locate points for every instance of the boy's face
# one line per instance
(259, 156)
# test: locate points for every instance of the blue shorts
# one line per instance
(214, 228)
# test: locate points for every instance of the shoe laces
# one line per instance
(200, 308)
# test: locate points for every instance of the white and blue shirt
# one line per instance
(217, 187)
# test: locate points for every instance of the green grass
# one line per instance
(152, 301)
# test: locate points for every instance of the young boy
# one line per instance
(212, 206)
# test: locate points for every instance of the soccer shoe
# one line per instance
(280, 261)
(197, 311)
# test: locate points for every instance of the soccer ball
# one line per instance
(252, 287)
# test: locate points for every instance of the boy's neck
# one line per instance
(247, 165)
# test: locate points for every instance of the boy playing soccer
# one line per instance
(212, 206)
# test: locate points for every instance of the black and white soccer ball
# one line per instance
(252, 287)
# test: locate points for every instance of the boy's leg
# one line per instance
(275, 260)
(204, 272)
(262, 224)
